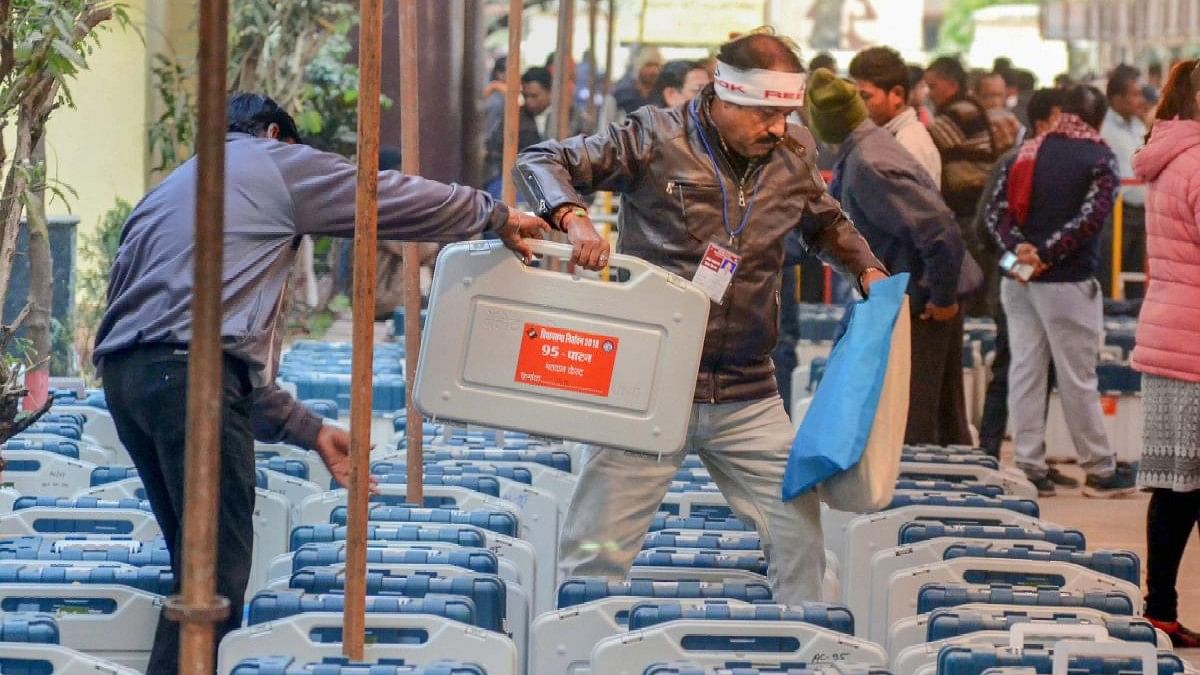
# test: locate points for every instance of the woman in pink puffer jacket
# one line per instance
(1168, 342)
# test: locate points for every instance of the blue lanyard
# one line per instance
(733, 234)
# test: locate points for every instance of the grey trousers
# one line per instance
(1063, 321)
(744, 446)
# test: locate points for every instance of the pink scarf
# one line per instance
(1020, 178)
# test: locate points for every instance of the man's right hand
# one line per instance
(588, 248)
(519, 227)
(333, 445)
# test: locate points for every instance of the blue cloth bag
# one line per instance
(834, 433)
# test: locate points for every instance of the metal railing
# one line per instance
(1119, 276)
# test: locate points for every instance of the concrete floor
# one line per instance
(1121, 524)
(342, 330)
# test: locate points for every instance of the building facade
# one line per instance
(1104, 33)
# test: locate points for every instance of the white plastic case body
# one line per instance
(487, 308)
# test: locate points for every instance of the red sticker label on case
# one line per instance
(558, 358)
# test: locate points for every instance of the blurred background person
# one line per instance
(580, 120)
(1151, 90)
(1168, 344)
(992, 92)
(679, 82)
(633, 90)
(536, 86)
(963, 135)
(583, 78)
(493, 98)
(918, 94)
(1125, 132)
(883, 82)
(823, 60)
(1026, 85)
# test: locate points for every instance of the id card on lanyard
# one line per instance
(716, 271)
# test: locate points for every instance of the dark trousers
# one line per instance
(937, 408)
(146, 389)
(784, 357)
(995, 403)
(1170, 519)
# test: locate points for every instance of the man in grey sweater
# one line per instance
(276, 190)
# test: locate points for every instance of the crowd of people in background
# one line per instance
(999, 198)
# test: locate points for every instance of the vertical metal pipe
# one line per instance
(370, 44)
(410, 141)
(198, 609)
(593, 108)
(473, 67)
(512, 98)
(562, 67)
(642, 23)
(1118, 249)
(608, 49)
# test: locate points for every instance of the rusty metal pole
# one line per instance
(512, 98)
(562, 67)
(198, 609)
(410, 141)
(608, 55)
(563, 94)
(593, 108)
(370, 45)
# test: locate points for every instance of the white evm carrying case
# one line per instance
(559, 355)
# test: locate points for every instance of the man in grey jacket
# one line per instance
(276, 190)
(900, 211)
(723, 179)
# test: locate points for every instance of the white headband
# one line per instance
(757, 87)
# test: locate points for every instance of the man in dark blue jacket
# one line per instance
(1048, 209)
(899, 210)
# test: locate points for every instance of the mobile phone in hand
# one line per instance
(1011, 265)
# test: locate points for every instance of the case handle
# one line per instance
(1065, 649)
(549, 249)
(1019, 633)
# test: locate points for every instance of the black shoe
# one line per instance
(1044, 485)
(1116, 484)
(1061, 479)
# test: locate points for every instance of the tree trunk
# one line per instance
(12, 422)
(41, 286)
(10, 203)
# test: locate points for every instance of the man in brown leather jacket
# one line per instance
(723, 178)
